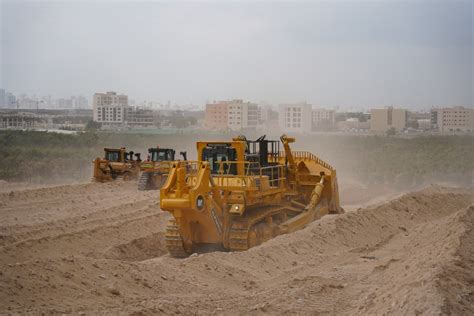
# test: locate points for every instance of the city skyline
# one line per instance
(348, 55)
(49, 101)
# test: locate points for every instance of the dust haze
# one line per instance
(404, 244)
(346, 54)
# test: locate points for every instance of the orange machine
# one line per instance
(241, 193)
(117, 164)
(156, 167)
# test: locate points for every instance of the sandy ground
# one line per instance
(98, 249)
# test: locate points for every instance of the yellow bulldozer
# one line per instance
(241, 193)
(117, 164)
(156, 167)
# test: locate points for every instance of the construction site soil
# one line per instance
(94, 248)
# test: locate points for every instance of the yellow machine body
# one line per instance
(155, 169)
(117, 164)
(239, 194)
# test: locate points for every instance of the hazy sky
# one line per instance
(352, 53)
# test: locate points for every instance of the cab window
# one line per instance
(112, 156)
(220, 160)
(159, 156)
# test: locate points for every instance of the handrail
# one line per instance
(253, 171)
(305, 155)
(229, 163)
(280, 174)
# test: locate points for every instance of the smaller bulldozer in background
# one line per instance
(156, 167)
(117, 164)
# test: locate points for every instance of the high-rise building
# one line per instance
(323, 119)
(216, 115)
(235, 115)
(140, 117)
(232, 115)
(242, 115)
(323, 116)
(250, 115)
(109, 108)
(295, 117)
(264, 113)
(454, 119)
(382, 120)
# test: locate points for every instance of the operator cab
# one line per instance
(223, 157)
(161, 154)
(217, 155)
(113, 155)
(265, 152)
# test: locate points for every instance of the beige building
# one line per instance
(140, 117)
(382, 120)
(264, 114)
(323, 119)
(455, 119)
(109, 108)
(234, 115)
(353, 125)
(215, 115)
(424, 124)
(323, 116)
(295, 118)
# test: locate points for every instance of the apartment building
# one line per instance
(234, 115)
(109, 108)
(323, 119)
(453, 119)
(250, 115)
(382, 120)
(296, 118)
(323, 116)
(216, 115)
(353, 125)
(140, 117)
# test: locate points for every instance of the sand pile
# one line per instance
(103, 253)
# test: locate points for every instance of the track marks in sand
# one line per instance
(408, 256)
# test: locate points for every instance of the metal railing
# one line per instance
(192, 167)
(277, 174)
(225, 177)
(228, 167)
(253, 171)
(305, 155)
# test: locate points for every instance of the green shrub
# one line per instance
(401, 161)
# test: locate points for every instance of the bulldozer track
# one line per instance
(241, 226)
(173, 241)
(144, 181)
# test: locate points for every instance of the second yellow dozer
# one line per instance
(117, 164)
(155, 169)
(241, 193)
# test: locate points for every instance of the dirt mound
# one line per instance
(456, 282)
(139, 249)
(412, 255)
